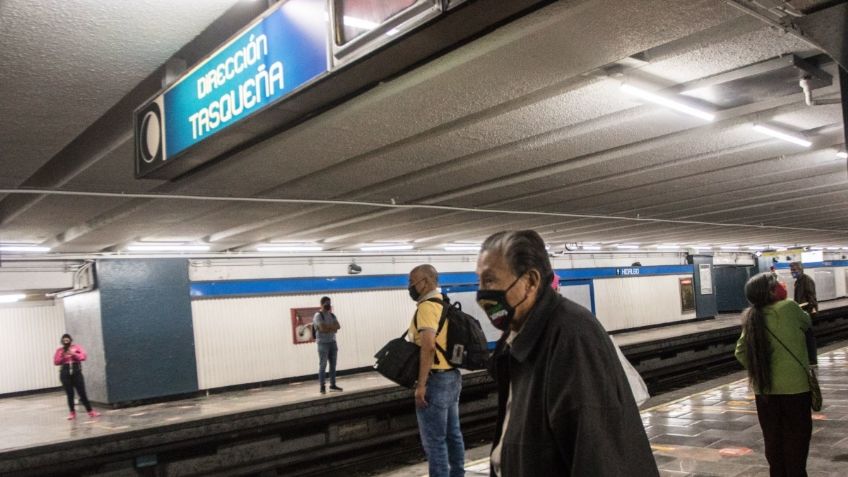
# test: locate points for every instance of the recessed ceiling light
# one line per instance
(788, 137)
(667, 102)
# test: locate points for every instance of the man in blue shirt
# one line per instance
(326, 326)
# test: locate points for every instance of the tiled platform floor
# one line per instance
(39, 419)
(715, 432)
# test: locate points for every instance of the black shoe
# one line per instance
(336, 388)
(324, 390)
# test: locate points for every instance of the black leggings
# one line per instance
(787, 427)
(74, 381)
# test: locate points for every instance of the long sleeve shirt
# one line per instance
(788, 322)
(75, 354)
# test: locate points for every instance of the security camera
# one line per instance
(354, 269)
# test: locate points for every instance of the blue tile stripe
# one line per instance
(454, 282)
(825, 264)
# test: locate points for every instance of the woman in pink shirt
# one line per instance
(70, 357)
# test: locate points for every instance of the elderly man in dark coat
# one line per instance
(564, 403)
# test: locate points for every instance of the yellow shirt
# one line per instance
(429, 314)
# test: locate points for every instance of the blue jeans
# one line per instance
(327, 351)
(438, 425)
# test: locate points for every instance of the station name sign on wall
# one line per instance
(278, 53)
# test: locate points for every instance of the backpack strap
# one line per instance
(442, 319)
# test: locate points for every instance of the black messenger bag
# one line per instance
(398, 361)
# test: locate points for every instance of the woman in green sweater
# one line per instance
(770, 348)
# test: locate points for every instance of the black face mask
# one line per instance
(413, 292)
(497, 308)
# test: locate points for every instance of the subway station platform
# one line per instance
(712, 430)
(234, 430)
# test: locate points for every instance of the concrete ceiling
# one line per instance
(525, 127)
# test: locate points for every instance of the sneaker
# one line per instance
(72, 416)
(93, 413)
(324, 390)
(336, 388)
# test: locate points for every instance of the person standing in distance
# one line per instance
(439, 384)
(326, 326)
(565, 407)
(805, 289)
(69, 357)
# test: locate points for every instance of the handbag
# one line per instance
(812, 379)
(398, 361)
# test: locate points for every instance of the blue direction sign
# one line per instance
(280, 52)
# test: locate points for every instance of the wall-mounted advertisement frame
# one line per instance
(687, 295)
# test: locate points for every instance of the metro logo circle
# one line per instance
(148, 134)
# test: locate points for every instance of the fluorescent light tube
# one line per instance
(782, 135)
(756, 248)
(168, 248)
(385, 248)
(730, 248)
(842, 155)
(12, 298)
(667, 102)
(289, 248)
(24, 248)
(668, 247)
(591, 247)
(627, 247)
(462, 248)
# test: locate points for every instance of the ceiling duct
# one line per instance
(811, 6)
(761, 81)
(829, 29)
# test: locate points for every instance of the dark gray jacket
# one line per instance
(572, 409)
(805, 292)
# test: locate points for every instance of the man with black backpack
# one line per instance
(439, 383)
